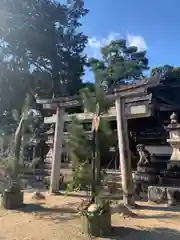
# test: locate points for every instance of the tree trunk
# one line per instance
(124, 154)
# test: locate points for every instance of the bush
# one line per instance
(82, 177)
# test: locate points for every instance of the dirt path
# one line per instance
(56, 218)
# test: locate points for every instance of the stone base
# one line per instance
(161, 194)
(173, 196)
(142, 180)
(12, 199)
(96, 226)
(173, 163)
(157, 194)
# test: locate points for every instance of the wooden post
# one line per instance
(57, 150)
(124, 154)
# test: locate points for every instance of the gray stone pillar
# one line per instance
(124, 153)
(174, 140)
(57, 150)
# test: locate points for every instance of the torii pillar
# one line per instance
(57, 150)
(121, 95)
(124, 153)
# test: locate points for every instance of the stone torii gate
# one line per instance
(60, 105)
(121, 95)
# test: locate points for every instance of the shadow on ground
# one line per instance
(161, 208)
(74, 194)
(135, 234)
(118, 210)
(58, 214)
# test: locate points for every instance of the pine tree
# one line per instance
(80, 154)
(97, 103)
(168, 74)
(120, 63)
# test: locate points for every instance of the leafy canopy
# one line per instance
(168, 73)
(41, 49)
(119, 63)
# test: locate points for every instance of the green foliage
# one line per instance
(82, 177)
(25, 118)
(6, 163)
(97, 103)
(105, 128)
(119, 63)
(29, 102)
(78, 143)
(167, 73)
(28, 28)
(80, 153)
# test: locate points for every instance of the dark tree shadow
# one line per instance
(143, 216)
(166, 216)
(74, 194)
(162, 208)
(58, 214)
(134, 234)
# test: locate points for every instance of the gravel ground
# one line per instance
(56, 218)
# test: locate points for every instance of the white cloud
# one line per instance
(137, 41)
(100, 42)
(96, 43)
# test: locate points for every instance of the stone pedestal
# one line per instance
(157, 194)
(146, 175)
(162, 194)
(12, 199)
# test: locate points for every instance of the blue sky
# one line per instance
(151, 25)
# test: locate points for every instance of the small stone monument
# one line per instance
(174, 140)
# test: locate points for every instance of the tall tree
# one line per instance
(115, 68)
(41, 45)
(168, 73)
(120, 63)
(96, 102)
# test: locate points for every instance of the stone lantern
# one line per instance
(174, 140)
(168, 188)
